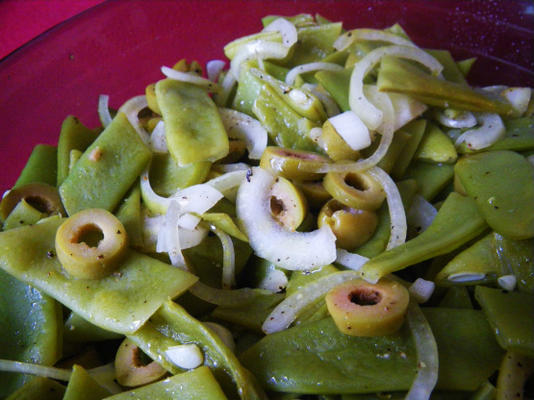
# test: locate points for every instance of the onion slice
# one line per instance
(375, 35)
(132, 108)
(350, 260)
(352, 130)
(314, 66)
(214, 68)
(158, 140)
(270, 240)
(397, 215)
(256, 49)
(286, 29)
(152, 200)
(242, 126)
(427, 354)
(103, 110)
(190, 78)
(370, 114)
(228, 270)
(456, 119)
(287, 311)
(492, 129)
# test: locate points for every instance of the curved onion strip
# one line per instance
(132, 108)
(153, 201)
(420, 214)
(191, 237)
(158, 140)
(228, 269)
(242, 126)
(274, 280)
(257, 49)
(427, 354)
(287, 311)
(371, 115)
(197, 198)
(329, 104)
(35, 369)
(151, 227)
(228, 183)
(103, 110)
(492, 129)
(190, 78)
(397, 215)
(314, 66)
(168, 238)
(463, 119)
(270, 240)
(214, 68)
(286, 29)
(350, 260)
(345, 40)
(224, 297)
(385, 141)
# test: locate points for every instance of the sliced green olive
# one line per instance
(292, 164)
(315, 193)
(334, 145)
(130, 369)
(363, 309)
(355, 189)
(352, 227)
(91, 243)
(288, 205)
(41, 196)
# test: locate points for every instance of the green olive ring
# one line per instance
(41, 196)
(352, 227)
(83, 260)
(293, 164)
(288, 204)
(355, 189)
(130, 369)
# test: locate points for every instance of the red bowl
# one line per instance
(117, 48)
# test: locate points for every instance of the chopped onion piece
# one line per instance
(228, 270)
(287, 311)
(420, 215)
(351, 128)
(274, 280)
(197, 198)
(492, 129)
(228, 183)
(190, 77)
(153, 201)
(397, 215)
(242, 126)
(456, 119)
(214, 68)
(35, 369)
(350, 260)
(345, 40)
(427, 354)
(223, 333)
(421, 290)
(270, 240)
(131, 109)
(158, 140)
(224, 297)
(369, 114)
(286, 29)
(519, 98)
(186, 356)
(464, 277)
(507, 282)
(103, 110)
(314, 66)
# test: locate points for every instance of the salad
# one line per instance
(332, 214)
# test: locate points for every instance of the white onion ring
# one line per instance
(427, 354)
(286, 29)
(314, 66)
(491, 129)
(131, 108)
(375, 35)
(228, 269)
(158, 140)
(242, 126)
(190, 78)
(103, 110)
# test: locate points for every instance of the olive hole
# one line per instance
(277, 206)
(365, 297)
(89, 234)
(39, 203)
(140, 359)
(356, 182)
